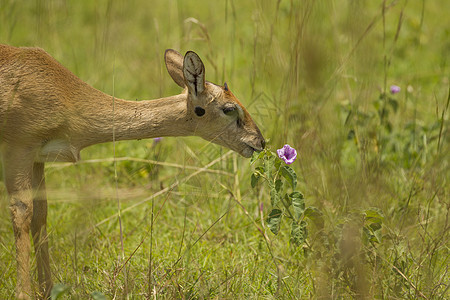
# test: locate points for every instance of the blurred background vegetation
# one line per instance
(314, 74)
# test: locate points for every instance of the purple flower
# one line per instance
(287, 153)
(156, 140)
(395, 89)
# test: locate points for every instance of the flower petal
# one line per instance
(280, 153)
(287, 154)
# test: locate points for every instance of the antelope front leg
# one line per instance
(18, 169)
(39, 231)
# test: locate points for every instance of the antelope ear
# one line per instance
(174, 65)
(194, 73)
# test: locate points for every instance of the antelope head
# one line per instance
(214, 112)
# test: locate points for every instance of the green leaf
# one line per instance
(373, 215)
(289, 174)
(299, 233)
(256, 156)
(372, 236)
(274, 196)
(254, 179)
(375, 226)
(315, 215)
(58, 290)
(98, 296)
(269, 162)
(377, 234)
(277, 162)
(274, 219)
(367, 235)
(298, 203)
(278, 185)
(373, 220)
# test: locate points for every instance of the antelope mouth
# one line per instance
(248, 151)
(244, 149)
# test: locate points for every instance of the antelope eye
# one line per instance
(229, 110)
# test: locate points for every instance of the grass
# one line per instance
(314, 74)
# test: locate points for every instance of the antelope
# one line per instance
(47, 114)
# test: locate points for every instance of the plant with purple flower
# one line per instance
(286, 202)
(395, 89)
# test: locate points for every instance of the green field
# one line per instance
(313, 74)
